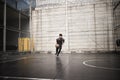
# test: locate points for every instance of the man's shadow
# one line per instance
(59, 69)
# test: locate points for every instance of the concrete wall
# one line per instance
(91, 27)
(116, 13)
(85, 27)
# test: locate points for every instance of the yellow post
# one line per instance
(19, 45)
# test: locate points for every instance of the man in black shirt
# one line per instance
(59, 43)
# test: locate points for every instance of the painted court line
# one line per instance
(25, 78)
(89, 65)
(13, 60)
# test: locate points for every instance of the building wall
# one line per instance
(17, 25)
(116, 13)
(85, 27)
(1, 25)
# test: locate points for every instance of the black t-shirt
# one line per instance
(60, 41)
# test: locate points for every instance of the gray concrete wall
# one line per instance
(86, 27)
(116, 22)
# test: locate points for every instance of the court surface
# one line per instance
(65, 67)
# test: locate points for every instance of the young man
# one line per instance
(59, 43)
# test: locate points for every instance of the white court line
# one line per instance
(25, 78)
(89, 65)
(13, 60)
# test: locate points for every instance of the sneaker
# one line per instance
(57, 54)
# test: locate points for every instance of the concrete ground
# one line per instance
(65, 67)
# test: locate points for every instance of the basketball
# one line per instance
(56, 45)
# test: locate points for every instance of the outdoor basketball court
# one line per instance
(66, 67)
